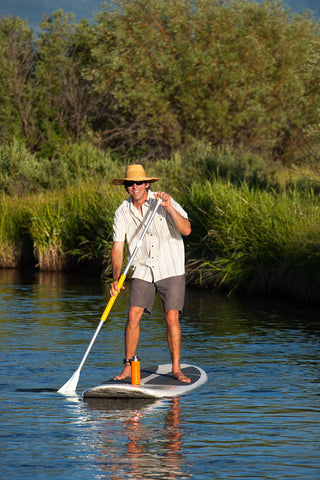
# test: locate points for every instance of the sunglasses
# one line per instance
(131, 183)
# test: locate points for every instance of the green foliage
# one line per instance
(17, 57)
(56, 71)
(228, 71)
(20, 171)
(252, 241)
(243, 239)
(79, 161)
(73, 226)
(150, 77)
(14, 239)
(47, 228)
(89, 227)
(215, 97)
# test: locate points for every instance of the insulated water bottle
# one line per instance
(135, 370)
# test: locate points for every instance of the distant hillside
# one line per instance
(300, 5)
(32, 10)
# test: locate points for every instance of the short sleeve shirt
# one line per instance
(161, 254)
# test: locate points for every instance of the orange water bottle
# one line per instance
(135, 370)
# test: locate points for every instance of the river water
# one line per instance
(257, 417)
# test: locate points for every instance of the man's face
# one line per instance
(137, 190)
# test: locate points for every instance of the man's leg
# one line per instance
(132, 335)
(174, 341)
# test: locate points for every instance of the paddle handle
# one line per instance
(113, 298)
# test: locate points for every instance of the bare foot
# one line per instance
(181, 377)
(126, 373)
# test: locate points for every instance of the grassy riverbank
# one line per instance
(249, 235)
(59, 230)
(249, 240)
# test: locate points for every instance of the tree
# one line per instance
(226, 71)
(17, 57)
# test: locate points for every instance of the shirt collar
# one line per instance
(147, 204)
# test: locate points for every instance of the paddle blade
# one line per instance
(71, 385)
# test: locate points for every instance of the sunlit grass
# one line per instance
(244, 238)
(73, 226)
(14, 238)
(250, 240)
(47, 225)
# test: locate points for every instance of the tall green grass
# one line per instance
(89, 236)
(47, 229)
(60, 230)
(15, 245)
(73, 227)
(249, 240)
(244, 238)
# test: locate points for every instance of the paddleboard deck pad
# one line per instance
(156, 382)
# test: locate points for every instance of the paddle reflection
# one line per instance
(150, 452)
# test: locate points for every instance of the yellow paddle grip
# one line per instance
(112, 299)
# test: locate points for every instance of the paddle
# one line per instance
(71, 385)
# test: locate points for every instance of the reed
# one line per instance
(91, 208)
(243, 239)
(14, 240)
(73, 227)
(47, 228)
(253, 241)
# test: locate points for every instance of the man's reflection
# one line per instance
(152, 450)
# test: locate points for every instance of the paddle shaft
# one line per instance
(124, 275)
(69, 386)
(103, 318)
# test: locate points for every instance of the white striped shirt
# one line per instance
(161, 254)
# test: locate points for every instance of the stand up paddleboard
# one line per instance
(156, 382)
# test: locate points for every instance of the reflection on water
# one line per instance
(256, 417)
(149, 452)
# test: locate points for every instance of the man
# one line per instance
(159, 265)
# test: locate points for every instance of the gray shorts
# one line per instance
(171, 291)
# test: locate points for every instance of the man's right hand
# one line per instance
(114, 288)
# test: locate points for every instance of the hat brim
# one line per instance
(121, 181)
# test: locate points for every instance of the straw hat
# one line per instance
(134, 173)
